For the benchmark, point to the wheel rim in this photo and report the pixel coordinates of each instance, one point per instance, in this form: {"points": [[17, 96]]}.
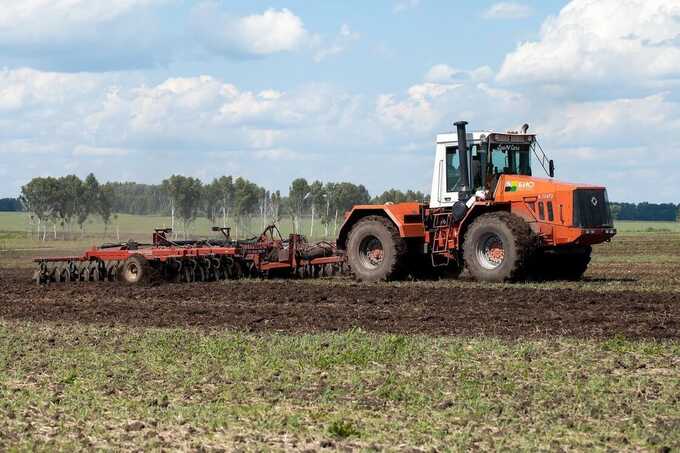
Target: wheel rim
{"points": [[132, 272], [490, 251], [371, 253]]}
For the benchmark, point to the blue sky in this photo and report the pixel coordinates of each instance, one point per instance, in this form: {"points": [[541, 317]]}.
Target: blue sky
{"points": [[351, 90]]}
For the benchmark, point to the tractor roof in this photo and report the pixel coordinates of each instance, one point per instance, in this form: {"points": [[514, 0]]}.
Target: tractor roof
{"points": [[476, 136]]}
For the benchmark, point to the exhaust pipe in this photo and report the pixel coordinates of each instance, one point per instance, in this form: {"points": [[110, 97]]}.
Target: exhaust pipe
{"points": [[463, 157]]}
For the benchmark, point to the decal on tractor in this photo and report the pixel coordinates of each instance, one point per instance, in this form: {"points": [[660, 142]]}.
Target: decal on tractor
{"points": [[514, 186]]}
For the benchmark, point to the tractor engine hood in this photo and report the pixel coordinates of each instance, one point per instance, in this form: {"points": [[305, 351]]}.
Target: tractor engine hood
{"points": [[561, 203]]}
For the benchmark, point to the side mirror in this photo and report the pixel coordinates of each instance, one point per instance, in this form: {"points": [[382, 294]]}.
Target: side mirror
{"points": [[551, 168]]}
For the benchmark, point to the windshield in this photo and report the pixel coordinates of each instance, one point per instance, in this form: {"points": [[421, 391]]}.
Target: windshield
{"points": [[511, 159]]}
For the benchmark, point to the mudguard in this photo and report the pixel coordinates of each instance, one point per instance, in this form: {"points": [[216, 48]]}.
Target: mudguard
{"points": [[408, 217]]}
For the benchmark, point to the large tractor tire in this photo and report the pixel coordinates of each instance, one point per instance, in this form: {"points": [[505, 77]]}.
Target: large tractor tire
{"points": [[568, 264], [375, 251], [499, 247], [136, 270]]}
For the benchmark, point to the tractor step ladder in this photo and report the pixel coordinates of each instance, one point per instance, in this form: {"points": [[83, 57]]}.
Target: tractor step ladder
{"points": [[440, 242]]}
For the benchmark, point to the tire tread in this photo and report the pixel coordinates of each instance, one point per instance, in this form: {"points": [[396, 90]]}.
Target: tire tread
{"points": [[525, 243], [398, 269]]}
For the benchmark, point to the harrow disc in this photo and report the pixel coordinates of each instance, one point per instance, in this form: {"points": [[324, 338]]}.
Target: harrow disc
{"points": [[188, 275], [64, 274], [112, 272]]}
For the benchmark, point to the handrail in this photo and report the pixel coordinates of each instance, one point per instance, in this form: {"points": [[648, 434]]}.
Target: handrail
{"points": [[542, 158]]}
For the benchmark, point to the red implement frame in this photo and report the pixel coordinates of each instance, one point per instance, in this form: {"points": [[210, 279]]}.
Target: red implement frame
{"points": [[269, 252]]}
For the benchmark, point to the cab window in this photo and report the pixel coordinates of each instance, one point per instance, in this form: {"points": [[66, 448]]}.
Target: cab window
{"points": [[511, 159], [453, 168]]}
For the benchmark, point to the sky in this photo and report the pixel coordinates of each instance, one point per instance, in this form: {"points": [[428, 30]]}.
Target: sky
{"points": [[346, 90]]}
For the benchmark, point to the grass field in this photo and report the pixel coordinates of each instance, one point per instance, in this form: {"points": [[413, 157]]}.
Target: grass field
{"points": [[85, 387], [76, 374]]}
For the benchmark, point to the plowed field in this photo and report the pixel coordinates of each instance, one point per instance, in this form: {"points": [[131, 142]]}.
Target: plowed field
{"points": [[299, 306]]}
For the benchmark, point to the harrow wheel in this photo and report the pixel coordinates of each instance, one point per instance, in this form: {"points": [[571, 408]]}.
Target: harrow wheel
{"points": [[136, 270]]}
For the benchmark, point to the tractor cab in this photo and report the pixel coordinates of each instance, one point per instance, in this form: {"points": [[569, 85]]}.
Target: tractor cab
{"points": [[488, 155]]}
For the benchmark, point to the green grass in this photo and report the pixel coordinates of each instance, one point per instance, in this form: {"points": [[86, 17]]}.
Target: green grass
{"points": [[66, 387], [629, 227]]}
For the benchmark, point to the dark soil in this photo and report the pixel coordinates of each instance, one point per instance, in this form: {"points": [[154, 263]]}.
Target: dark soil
{"points": [[298, 306]]}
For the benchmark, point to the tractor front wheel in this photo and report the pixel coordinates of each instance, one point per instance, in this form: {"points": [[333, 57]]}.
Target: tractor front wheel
{"points": [[375, 251], [499, 247]]}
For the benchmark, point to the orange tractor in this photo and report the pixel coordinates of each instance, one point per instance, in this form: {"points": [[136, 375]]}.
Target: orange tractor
{"points": [[487, 212]]}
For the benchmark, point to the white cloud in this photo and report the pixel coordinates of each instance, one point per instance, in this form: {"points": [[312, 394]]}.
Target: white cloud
{"points": [[429, 108], [171, 126], [621, 128], [481, 74], [199, 126], [619, 122], [341, 42], [601, 41], [405, 5], [443, 73], [25, 88], [278, 154], [75, 35], [104, 36], [507, 10], [256, 35], [98, 151], [24, 16]]}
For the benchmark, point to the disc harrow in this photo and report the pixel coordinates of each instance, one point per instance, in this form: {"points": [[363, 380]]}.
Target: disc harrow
{"points": [[163, 260]]}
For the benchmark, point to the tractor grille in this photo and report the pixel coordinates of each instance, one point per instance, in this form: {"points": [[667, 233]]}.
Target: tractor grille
{"points": [[591, 208]]}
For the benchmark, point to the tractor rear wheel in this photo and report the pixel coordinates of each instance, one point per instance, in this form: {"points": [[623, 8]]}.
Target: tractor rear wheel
{"points": [[136, 270], [499, 247], [375, 251]]}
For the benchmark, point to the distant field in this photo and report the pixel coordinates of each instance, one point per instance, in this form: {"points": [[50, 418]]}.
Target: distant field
{"points": [[15, 229], [630, 226]]}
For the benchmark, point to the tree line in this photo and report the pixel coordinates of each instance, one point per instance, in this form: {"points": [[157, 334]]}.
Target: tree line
{"points": [[64, 204], [645, 211], [10, 205]]}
